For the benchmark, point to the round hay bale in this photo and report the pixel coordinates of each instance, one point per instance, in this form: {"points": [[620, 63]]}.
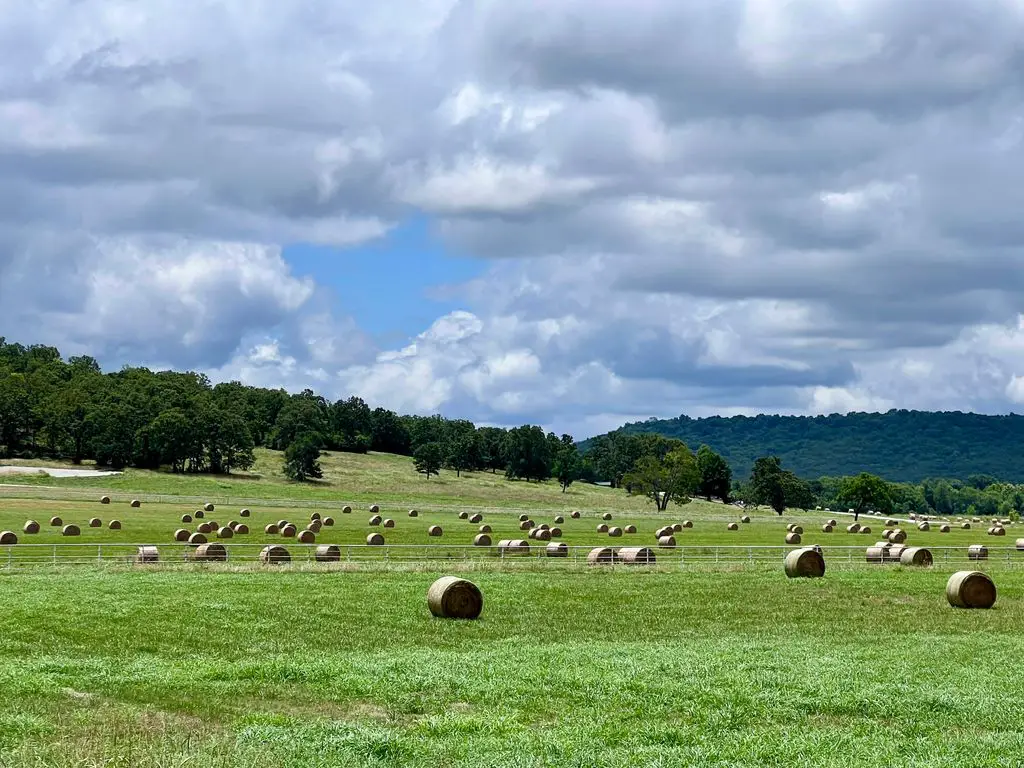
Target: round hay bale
{"points": [[56, 521], [897, 536], [244, 513], [389, 523], [745, 518], [637, 556], [615, 532], [1000, 531], [1019, 543], [923, 526], [95, 522], [435, 530], [186, 518], [523, 518], [667, 542], [526, 525], [792, 538], [601, 556], [136, 503], [602, 528], [199, 514], [281, 524], [877, 553], [895, 551], [977, 552], [463, 515], [676, 527], [213, 524], [274, 553], [975, 519], [732, 527], [314, 516], [513, 547], [328, 521], [208, 507], [375, 539], [886, 534], [866, 529], [804, 563], [30, 527], [182, 534], [329, 553], [790, 527], [211, 553], [797, 529], [687, 524], [665, 530], [606, 516], [315, 525], [374, 509], [833, 523], [543, 535], [544, 526], [943, 529], [826, 528], [204, 528], [289, 531], [104, 499], [918, 556], [574, 515], [481, 540], [630, 529], [965, 526], [376, 520], [414, 513], [241, 529], [559, 519], [890, 521], [225, 533], [8, 538], [346, 510], [197, 538], [557, 549], [453, 598], [970, 589], [71, 530], [476, 518], [484, 529], [555, 533], [853, 528], [271, 530], [147, 555], [306, 537], [114, 525]]}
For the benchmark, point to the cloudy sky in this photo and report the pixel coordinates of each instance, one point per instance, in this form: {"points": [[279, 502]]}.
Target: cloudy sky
{"points": [[567, 212]]}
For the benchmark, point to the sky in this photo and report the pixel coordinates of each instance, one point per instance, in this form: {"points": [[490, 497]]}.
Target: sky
{"points": [[565, 212]]}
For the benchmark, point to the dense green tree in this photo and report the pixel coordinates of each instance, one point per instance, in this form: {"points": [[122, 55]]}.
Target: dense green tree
{"points": [[302, 457], [527, 454], [428, 458], [672, 478], [865, 492], [715, 474], [567, 466]]}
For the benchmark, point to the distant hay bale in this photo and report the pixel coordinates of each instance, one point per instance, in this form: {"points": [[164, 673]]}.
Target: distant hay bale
{"points": [[559, 519], [923, 526], [376, 520], [826, 528], [213, 525], [8, 538], [329, 553], [199, 514], [687, 524], [210, 553], [970, 589], [275, 554], [666, 530], [104, 499], [606, 516], [204, 528], [186, 518], [878, 553], [241, 529], [999, 531], [328, 521], [555, 533], [790, 527], [182, 534], [525, 525], [833, 523], [602, 528], [897, 536], [289, 531], [545, 526], [271, 530], [346, 510], [197, 538], [30, 527], [890, 521], [557, 549], [601, 556], [732, 527], [315, 525], [71, 530], [484, 529], [314, 516], [637, 556], [796, 529], [975, 519], [414, 513], [543, 534], [804, 563], [389, 523], [523, 518], [667, 542], [745, 518], [114, 525], [615, 531], [56, 521], [916, 556], [476, 518], [677, 527], [244, 513], [943, 529], [792, 538], [95, 522], [463, 515], [306, 537], [375, 539], [374, 509], [208, 507], [977, 552], [147, 555], [508, 547], [136, 503], [886, 535], [453, 598], [225, 533], [1019, 543], [481, 540], [866, 529], [630, 529], [435, 530], [574, 515]]}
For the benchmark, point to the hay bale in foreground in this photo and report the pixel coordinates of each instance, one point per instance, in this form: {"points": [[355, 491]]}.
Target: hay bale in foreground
{"points": [[481, 540], [667, 542], [630, 529], [271, 529], [241, 529], [56, 521], [414, 513], [484, 529], [275, 554], [306, 537], [615, 531], [289, 531], [559, 519], [328, 553], [637, 556], [557, 549], [732, 527], [804, 563], [435, 530], [792, 538], [104, 499], [853, 528], [225, 533], [136, 503], [375, 539], [244, 513], [210, 553], [453, 598], [826, 528], [878, 553], [970, 589], [196, 538], [8, 538], [147, 555], [114, 525], [328, 521], [182, 534], [917, 556], [30, 527], [601, 556], [71, 530], [977, 552], [513, 547]]}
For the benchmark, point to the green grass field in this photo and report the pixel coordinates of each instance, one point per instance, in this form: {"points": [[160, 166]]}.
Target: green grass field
{"points": [[686, 663]]}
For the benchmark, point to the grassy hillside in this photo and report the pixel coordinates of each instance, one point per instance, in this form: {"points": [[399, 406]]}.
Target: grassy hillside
{"points": [[901, 446]]}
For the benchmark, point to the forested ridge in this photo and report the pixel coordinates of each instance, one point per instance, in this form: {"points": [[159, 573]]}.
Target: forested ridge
{"points": [[899, 445]]}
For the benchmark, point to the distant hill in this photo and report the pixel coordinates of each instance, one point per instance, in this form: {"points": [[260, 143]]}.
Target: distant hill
{"points": [[900, 445]]}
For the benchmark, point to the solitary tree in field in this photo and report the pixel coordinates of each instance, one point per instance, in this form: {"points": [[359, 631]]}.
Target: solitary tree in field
{"points": [[715, 474], [770, 484], [302, 457], [865, 491], [673, 478], [568, 466], [427, 458]]}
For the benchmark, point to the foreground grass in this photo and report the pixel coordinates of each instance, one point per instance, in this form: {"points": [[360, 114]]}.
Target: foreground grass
{"points": [[742, 668]]}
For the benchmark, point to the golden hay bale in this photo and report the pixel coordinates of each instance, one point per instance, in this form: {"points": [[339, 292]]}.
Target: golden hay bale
{"points": [[1000, 531], [374, 509], [543, 534], [866, 529], [513, 547], [306, 537], [114, 525], [211, 553], [56, 521], [574, 515], [315, 525], [375, 539], [414, 513], [792, 538], [677, 527], [136, 503], [687, 524], [923, 526], [886, 534], [555, 532], [602, 528], [346, 510], [745, 518], [526, 525], [70, 530], [665, 530], [435, 530], [545, 526], [481, 540], [186, 518], [484, 529], [557, 549], [182, 534], [289, 531], [274, 553], [977, 552], [463, 515], [389, 523], [376, 520], [970, 589], [826, 528], [8, 538], [804, 563], [559, 519], [796, 529], [523, 518], [197, 538], [601, 556], [329, 553], [328, 521], [732, 527], [630, 529], [271, 530], [918, 556], [208, 507], [282, 523], [225, 533], [314, 516], [204, 528], [667, 542], [199, 514], [241, 529], [31, 526], [943, 529], [244, 513], [104, 499], [453, 598], [213, 525], [878, 553], [477, 518], [833, 523], [1019, 543], [637, 556], [147, 555], [615, 531], [897, 536], [95, 522]]}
